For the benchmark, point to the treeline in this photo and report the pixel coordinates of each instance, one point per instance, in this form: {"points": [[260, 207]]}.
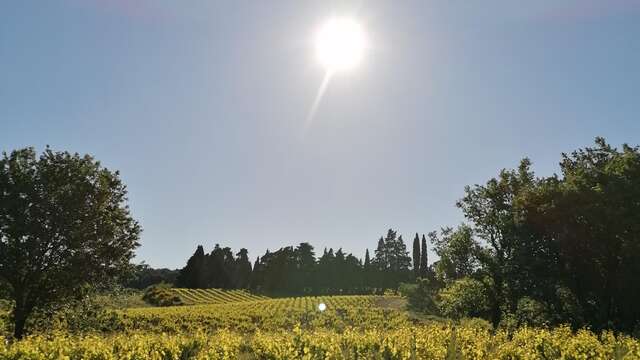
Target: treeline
{"points": [[297, 270], [545, 250], [533, 250]]}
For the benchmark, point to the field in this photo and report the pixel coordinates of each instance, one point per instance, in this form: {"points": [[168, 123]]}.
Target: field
{"points": [[214, 296], [352, 327]]}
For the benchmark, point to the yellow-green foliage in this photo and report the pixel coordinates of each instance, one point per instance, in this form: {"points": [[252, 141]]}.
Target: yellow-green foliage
{"points": [[352, 327], [405, 342], [161, 296], [272, 314], [221, 345], [214, 296]]}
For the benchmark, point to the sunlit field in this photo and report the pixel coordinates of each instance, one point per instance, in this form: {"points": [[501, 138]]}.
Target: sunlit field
{"points": [[351, 327]]}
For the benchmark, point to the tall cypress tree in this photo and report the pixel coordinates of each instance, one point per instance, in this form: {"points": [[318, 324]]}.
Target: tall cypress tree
{"points": [[366, 269], [424, 261], [416, 256], [367, 260]]}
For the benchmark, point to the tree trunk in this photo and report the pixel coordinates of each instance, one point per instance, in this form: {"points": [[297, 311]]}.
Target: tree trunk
{"points": [[19, 318]]}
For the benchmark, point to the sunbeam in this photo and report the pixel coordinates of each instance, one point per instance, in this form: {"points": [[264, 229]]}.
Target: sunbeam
{"points": [[314, 108]]}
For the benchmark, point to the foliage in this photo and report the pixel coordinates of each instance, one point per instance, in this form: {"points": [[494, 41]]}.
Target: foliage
{"points": [[402, 343], [159, 295], [296, 270], [422, 298], [464, 297], [417, 271], [267, 315], [64, 223], [560, 249], [142, 276], [214, 296], [407, 289], [222, 345], [457, 250]]}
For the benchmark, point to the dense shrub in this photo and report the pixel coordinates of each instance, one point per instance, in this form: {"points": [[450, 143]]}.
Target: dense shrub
{"points": [[407, 289], [465, 297], [161, 296], [422, 298]]}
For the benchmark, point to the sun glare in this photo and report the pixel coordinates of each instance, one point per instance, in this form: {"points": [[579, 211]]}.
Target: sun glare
{"points": [[340, 44]]}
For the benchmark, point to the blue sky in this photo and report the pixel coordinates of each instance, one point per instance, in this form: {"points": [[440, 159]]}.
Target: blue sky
{"points": [[200, 105]]}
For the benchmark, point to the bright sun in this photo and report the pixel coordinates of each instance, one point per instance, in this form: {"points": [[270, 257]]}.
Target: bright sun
{"points": [[340, 44]]}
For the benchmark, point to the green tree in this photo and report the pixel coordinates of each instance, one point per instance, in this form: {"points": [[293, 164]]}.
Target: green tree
{"points": [[424, 259], [64, 223], [589, 222], [492, 210], [242, 270], [416, 256], [457, 251], [193, 274], [306, 266]]}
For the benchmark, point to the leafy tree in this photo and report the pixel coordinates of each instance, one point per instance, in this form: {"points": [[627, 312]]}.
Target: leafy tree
{"points": [[144, 276], [492, 210], [457, 251], [64, 223], [589, 223]]}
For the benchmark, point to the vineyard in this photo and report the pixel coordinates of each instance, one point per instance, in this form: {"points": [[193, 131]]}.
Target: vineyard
{"points": [[351, 327], [270, 315], [214, 296], [407, 342]]}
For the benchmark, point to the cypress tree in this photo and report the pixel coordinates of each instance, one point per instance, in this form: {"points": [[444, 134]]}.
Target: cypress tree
{"points": [[367, 260], [416, 256], [424, 261]]}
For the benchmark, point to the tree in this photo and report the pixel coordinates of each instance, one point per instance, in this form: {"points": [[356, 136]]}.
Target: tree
{"points": [[457, 250], [193, 274], [144, 276], [242, 270], [306, 264], [64, 223], [416, 256], [392, 261], [366, 270], [588, 223], [492, 210], [424, 260]]}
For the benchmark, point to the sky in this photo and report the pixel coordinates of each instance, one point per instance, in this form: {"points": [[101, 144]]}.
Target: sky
{"points": [[201, 106]]}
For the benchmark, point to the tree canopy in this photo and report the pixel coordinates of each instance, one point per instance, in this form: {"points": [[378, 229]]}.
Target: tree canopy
{"points": [[64, 223]]}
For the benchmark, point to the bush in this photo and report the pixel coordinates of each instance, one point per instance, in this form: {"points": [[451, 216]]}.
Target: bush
{"points": [[464, 297], [476, 323], [5, 318], [390, 292], [422, 298], [531, 312], [161, 295], [407, 289]]}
